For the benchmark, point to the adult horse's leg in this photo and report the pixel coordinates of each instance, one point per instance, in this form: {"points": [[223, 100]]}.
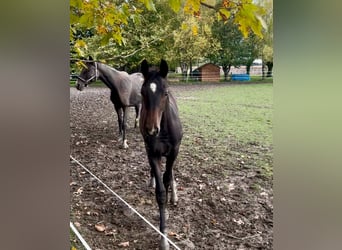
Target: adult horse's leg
{"points": [[118, 109], [124, 126], [119, 113], [155, 164], [137, 115]]}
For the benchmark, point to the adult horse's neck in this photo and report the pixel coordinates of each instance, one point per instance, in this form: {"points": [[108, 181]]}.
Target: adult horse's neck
{"points": [[108, 75]]}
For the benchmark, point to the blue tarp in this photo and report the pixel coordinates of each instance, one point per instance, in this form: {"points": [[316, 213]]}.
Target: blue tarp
{"points": [[240, 77]]}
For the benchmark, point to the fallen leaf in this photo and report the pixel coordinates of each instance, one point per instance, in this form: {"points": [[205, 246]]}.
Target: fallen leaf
{"points": [[172, 233], [231, 187], [149, 202], [239, 221], [100, 227], [124, 244], [79, 191]]}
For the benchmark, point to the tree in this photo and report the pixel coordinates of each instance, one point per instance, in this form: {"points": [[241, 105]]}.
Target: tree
{"points": [[110, 19], [267, 51], [251, 50], [235, 50], [148, 36], [193, 41]]}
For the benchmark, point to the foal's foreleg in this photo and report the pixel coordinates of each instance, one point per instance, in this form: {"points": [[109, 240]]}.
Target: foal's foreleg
{"points": [[161, 200]]}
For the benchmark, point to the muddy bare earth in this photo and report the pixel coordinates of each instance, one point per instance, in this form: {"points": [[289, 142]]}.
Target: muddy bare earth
{"points": [[225, 198]]}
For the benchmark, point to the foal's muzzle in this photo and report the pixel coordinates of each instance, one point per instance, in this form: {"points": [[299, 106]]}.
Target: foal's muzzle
{"points": [[153, 132]]}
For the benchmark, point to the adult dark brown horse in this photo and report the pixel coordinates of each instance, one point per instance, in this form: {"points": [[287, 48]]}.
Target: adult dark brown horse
{"points": [[161, 129], [125, 90]]}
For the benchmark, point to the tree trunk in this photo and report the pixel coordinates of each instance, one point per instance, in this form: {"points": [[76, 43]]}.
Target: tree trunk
{"points": [[190, 67], [226, 69], [184, 68], [263, 66], [248, 68], [269, 69]]}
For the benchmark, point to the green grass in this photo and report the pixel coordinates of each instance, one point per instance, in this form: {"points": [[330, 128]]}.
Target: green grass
{"points": [[96, 84], [242, 112]]}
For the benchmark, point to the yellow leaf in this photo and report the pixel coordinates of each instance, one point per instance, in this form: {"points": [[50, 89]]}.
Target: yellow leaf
{"points": [[225, 13], [192, 6], [194, 30], [175, 5], [80, 44], [184, 26], [101, 30]]}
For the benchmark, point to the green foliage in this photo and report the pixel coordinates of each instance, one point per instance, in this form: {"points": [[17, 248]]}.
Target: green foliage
{"points": [[193, 40], [149, 4], [121, 27], [247, 18]]}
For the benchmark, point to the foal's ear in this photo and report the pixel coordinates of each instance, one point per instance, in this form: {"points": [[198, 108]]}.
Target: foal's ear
{"points": [[163, 68], [144, 68]]}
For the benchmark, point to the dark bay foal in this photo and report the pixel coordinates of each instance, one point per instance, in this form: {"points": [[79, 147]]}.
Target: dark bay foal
{"points": [[161, 129]]}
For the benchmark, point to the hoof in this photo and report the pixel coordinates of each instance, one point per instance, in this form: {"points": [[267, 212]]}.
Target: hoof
{"points": [[136, 124], [125, 145], [174, 201], [164, 244], [174, 196], [152, 183]]}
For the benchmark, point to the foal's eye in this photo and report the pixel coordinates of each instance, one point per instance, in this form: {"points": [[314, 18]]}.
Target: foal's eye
{"points": [[166, 93]]}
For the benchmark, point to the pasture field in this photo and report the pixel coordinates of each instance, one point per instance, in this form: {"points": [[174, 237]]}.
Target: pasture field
{"points": [[224, 171]]}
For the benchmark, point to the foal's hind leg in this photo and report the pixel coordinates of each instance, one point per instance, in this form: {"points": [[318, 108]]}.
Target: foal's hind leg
{"points": [[152, 180], [168, 177], [174, 196]]}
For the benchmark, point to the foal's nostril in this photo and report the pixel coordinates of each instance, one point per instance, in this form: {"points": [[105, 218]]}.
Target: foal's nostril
{"points": [[153, 131], [156, 131]]}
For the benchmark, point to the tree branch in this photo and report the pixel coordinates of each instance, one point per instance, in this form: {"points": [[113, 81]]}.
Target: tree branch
{"points": [[208, 5]]}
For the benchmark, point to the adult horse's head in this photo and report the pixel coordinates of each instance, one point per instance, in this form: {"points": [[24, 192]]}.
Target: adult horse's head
{"points": [[88, 74], [154, 93]]}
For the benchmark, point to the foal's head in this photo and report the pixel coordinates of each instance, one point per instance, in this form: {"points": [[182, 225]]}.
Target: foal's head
{"points": [[87, 75], [154, 93]]}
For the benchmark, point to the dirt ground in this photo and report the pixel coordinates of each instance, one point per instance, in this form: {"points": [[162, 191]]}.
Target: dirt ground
{"points": [[225, 199]]}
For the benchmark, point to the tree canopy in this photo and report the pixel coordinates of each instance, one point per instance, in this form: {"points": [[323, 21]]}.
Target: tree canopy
{"points": [[124, 32]]}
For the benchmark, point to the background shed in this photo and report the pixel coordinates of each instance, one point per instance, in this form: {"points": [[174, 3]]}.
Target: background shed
{"points": [[209, 72]]}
